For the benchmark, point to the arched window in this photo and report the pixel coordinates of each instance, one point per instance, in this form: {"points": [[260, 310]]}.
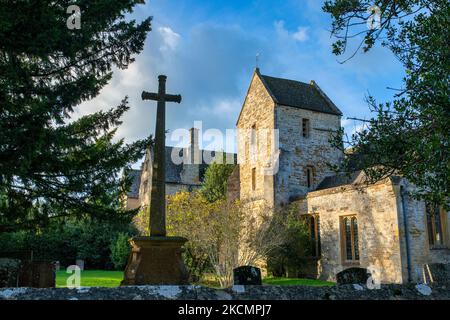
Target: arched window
{"points": [[349, 239], [314, 232], [436, 226]]}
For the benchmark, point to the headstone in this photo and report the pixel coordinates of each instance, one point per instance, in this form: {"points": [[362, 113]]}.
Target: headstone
{"points": [[423, 289], [57, 265], [37, 274], [9, 272], [80, 264], [247, 275], [353, 276]]}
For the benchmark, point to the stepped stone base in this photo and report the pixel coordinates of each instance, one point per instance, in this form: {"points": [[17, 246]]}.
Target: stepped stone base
{"points": [[156, 261]]}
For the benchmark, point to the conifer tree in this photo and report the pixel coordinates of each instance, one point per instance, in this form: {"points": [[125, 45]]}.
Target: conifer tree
{"points": [[50, 165]]}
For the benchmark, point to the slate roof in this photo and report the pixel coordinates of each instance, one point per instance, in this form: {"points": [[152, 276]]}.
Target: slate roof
{"points": [[173, 172], [135, 176], [299, 95], [340, 179]]}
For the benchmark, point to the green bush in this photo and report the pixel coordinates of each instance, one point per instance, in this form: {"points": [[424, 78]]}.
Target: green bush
{"points": [[120, 249], [68, 240]]}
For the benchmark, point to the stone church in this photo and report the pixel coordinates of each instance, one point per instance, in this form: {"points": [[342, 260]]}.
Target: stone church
{"points": [[379, 227]]}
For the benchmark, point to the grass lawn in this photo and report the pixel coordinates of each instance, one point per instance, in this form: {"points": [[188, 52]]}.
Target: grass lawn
{"points": [[92, 278], [100, 278], [296, 282]]}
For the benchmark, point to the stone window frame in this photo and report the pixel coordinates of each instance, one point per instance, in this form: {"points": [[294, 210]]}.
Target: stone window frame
{"points": [[356, 251], [306, 128], [312, 170], [253, 145], [254, 136], [431, 229], [317, 252], [253, 179]]}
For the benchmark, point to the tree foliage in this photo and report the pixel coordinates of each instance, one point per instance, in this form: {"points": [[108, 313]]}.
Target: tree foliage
{"points": [[120, 250], [68, 240], [408, 136], [214, 185], [222, 235], [296, 248], [50, 164]]}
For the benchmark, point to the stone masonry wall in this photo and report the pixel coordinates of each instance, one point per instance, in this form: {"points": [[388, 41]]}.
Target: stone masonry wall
{"points": [[345, 292], [378, 231], [421, 253], [258, 111], [298, 152]]}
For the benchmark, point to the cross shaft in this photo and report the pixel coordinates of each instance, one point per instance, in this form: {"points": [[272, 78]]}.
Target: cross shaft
{"points": [[158, 190]]}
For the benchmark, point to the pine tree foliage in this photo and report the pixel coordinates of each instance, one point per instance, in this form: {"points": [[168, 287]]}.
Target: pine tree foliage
{"points": [[50, 164]]}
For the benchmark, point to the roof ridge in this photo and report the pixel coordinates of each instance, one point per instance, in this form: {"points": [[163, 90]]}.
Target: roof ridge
{"points": [[286, 79]]}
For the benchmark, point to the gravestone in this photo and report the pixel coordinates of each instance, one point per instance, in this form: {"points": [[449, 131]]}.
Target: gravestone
{"points": [[37, 274], [9, 272], [247, 275], [353, 276], [80, 264], [57, 265]]}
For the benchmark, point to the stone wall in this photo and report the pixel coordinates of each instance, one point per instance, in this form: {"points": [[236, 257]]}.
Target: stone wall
{"points": [[298, 152], [378, 231], [233, 185], [381, 231], [132, 203], [257, 111], [344, 292], [419, 248]]}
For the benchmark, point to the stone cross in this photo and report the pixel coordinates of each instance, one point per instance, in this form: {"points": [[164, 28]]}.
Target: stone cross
{"points": [[158, 192]]}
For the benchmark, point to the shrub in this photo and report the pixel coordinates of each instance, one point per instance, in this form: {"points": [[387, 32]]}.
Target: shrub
{"points": [[222, 236], [120, 249]]}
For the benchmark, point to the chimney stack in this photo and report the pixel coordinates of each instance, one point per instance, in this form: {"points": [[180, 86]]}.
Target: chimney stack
{"points": [[194, 149]]}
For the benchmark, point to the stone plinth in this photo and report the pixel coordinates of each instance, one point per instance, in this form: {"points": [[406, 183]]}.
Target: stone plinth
{"points": [[156, 261]]}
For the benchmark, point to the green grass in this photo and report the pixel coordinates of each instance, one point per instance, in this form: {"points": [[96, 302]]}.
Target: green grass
{"points": [[100, 278], [296, 282], [92, 278]]}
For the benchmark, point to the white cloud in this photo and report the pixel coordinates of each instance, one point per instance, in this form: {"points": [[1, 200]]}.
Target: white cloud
{"points": [[301, 34], [170, 38]]}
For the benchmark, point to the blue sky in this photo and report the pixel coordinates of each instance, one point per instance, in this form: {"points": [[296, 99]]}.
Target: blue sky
{"points": [[208, 48]]}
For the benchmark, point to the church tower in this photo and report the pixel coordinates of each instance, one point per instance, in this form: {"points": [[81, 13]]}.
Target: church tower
{"points": [[283, 140]]}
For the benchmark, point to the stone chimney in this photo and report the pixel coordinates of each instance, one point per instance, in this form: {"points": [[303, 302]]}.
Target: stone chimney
{"points": [[194, 149]]}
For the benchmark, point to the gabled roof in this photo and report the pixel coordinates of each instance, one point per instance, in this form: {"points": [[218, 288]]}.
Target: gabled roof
{"points": [[301, 95], [295, 94]]}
